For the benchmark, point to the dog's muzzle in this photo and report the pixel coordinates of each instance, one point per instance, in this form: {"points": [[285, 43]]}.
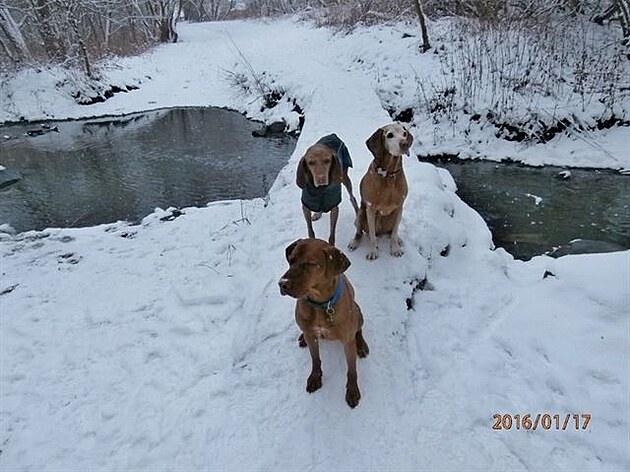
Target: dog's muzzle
{"points": [[283, 283]]}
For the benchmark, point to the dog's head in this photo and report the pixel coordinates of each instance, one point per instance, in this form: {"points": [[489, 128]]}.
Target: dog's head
{"points": [[393, 139], [319, 166], [312, 262]]}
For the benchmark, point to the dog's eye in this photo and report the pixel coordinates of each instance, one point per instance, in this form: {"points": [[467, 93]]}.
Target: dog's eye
{"points": [[390, 135]]}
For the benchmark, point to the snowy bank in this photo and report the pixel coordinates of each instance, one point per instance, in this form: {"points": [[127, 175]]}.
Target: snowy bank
{"points": [[420, 86], [168, 346]]}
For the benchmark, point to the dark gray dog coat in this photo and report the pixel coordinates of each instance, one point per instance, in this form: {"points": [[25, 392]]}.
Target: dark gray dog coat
{"points": [[325, 198]]}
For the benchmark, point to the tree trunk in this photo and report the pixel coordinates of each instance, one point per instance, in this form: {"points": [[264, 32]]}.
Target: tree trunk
{"points": [[618, 9], [13, 33], [425, 46], [53, 46], [8, 51], [107, 29], [85, 58], [193, 10], [624, 18]]}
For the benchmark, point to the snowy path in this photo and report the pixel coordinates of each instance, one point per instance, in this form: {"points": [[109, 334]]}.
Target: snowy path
{"points": [[167, 345]]}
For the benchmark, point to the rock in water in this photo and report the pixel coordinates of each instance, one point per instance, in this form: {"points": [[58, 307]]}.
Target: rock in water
{"points": [[9, 177], [274, 128]]}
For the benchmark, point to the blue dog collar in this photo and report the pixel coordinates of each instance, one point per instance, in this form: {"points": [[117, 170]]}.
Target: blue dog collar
{"points": [[329, 304]]}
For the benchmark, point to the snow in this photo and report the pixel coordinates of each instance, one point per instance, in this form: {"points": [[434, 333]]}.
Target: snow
{"points": [[537, 200], [167, 345]]}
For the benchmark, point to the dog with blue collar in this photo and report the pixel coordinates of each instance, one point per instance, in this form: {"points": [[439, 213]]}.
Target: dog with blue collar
{"points": [[320, 173], [325, 308]]}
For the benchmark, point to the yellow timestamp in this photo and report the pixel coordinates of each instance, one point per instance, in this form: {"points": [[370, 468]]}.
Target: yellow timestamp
{"points": [[545, 421]]}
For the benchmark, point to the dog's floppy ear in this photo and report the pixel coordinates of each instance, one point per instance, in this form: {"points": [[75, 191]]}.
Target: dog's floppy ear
{"points": [[375, 143], [409, 137], [290, 248], [303, 175], [336, 261], [335, 174]]}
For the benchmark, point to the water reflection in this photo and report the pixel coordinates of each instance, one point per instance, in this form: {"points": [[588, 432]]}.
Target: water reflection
{"points": [[592, 204], [103, 170]]}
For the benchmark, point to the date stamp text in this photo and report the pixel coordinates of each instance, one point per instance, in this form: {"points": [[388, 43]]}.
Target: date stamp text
{"points": [[546, 421]]}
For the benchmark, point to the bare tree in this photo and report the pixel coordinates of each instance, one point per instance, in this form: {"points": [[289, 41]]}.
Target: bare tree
{"points": [[163, 16], [194, 10], [17, 49], [219, 9], [425, 46], [618, 9], [77, 32], [73, 18], [43, 12]]}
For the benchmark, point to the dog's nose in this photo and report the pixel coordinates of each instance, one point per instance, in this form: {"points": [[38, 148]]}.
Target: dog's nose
{"points": [[284, 286], [404, 147]]}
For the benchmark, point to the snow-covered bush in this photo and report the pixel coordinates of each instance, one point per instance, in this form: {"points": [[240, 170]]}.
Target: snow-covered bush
{"points": [[530, 79], [76, 33], [346, 15], [266, 99]]}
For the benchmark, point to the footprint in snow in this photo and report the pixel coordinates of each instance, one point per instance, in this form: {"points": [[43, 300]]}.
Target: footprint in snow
{"points": [[69, 258]]}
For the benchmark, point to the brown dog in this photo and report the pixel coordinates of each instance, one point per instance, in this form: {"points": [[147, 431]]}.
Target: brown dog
{"points": [[383, 189], [325, 307], [320, 173]]}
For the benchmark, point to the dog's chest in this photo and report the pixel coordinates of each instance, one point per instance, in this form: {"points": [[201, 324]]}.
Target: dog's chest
{"points": [[323, 328], [384, 195], [386, 203], [385, 210], [321, 332]]}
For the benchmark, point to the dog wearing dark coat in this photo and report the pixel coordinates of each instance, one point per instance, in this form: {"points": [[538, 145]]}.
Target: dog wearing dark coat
{"points": [[320, 173]]}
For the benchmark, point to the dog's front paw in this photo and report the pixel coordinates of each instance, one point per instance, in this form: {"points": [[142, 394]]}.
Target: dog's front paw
{"points": [[396, 247], [371, 255], [363, 350], [314, 382], [352, 245], [353, 395], [396, 251]]}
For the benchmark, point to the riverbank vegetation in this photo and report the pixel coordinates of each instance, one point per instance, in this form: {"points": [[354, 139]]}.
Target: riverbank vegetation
{"points": [[528, 70]]}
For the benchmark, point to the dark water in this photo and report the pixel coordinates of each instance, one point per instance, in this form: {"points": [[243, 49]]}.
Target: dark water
{"points": [[592, 204], [103, 170]]}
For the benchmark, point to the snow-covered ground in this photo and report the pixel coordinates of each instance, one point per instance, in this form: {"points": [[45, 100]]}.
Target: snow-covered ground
{"points": [[167, 346], [387, 55]]}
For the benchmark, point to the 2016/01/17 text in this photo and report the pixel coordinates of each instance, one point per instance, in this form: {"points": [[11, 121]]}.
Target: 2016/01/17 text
{"points": [[506, 421]]}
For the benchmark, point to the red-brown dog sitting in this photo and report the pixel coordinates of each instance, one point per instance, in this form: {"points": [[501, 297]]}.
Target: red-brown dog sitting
{"points": [[325, 307], [383, 189]]}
